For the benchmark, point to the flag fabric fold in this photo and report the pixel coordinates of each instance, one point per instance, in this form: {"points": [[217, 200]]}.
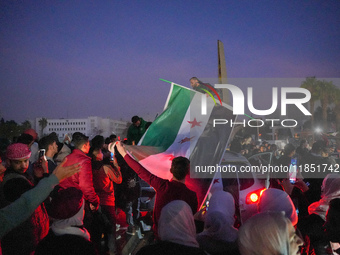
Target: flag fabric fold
{"points": [[182, 130]]}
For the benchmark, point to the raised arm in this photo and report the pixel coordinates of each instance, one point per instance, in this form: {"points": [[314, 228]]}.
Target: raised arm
{"points": [[143, 173], [18, 211]]}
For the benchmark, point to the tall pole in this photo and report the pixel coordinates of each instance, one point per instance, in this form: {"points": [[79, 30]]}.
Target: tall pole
{"points": [[222, 71]]}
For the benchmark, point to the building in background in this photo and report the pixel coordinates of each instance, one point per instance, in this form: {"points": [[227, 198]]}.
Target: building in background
{"points": [[90, 126]]}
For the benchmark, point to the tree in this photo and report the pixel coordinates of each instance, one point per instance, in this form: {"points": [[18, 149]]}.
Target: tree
{"points": [[311, 84], [326, 95], [336, 109], [26, 125], [42, 123], [317, 115], [10, 130]]}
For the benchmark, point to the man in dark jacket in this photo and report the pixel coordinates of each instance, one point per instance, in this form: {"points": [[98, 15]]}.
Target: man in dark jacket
{"points": [[166, 190], [136, 130]]}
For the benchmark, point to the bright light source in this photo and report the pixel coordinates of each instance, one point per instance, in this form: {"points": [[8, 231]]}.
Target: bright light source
{"points": [[318, 130], [254, 197]]}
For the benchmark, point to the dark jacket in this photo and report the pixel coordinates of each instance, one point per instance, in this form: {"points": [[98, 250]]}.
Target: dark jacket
{"points": [[311, 228], [66, 245], [24, 238], [166, 191], [136, 133], [169, 248]]}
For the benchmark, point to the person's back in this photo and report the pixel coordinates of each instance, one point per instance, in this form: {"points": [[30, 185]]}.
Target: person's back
{"points": [[311, 229], [65, 245], [82, 180], [176, 232], [173, 190], [67, 234], [219, 234], [166, 190]]}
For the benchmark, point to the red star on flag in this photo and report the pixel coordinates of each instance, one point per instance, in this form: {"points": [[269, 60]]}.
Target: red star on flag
{"points": [[195, 123], [187, 139], [216, 181]]}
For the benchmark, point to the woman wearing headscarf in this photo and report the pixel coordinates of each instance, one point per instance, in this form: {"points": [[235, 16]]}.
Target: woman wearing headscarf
{"points": [[177, 232], [276, 200], [330, 189], [268, 233], [312, 226], [219, 234]]}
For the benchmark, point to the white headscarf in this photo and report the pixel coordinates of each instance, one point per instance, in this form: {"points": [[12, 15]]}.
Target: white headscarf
{"points": [[330, 189], [219, 219], [276, 200], [176, 224], [72, 226], [265, 234]]}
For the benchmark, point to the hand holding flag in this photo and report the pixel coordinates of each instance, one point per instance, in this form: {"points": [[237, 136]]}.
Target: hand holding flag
{"points": [[121, 149]]}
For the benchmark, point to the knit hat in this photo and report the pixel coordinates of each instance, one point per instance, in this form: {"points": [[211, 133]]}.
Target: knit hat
{"points": [[31, 132], [17, 151], [66, 203]]}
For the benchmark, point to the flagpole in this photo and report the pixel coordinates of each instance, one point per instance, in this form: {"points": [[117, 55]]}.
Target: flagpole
{"points": [[166, 81]]}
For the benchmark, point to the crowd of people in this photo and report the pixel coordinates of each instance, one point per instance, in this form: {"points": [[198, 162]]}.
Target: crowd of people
{"points": [[65, 201]]}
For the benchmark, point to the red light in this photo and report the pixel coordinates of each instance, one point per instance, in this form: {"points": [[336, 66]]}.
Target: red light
{"points": [[254, 197], [261, 192]]}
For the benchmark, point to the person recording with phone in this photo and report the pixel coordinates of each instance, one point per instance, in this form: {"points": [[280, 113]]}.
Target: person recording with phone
{"points": [[40, 167], [49, 145], [18, 211], [16, 182], [292, 182]]}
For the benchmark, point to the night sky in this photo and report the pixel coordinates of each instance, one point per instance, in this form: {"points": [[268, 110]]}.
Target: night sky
{"points": [[74, 59]]}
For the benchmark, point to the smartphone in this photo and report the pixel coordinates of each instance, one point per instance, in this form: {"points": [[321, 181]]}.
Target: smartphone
{"points": [[42, 153], [292, 170], [112, 155]]}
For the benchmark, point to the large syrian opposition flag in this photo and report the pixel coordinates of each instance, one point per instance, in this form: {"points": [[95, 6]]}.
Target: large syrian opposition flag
{"points": [[182, 130]]}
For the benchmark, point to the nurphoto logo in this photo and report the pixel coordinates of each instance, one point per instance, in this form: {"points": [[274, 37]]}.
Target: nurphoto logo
{"points": [[239, 105], [238, 100]]}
